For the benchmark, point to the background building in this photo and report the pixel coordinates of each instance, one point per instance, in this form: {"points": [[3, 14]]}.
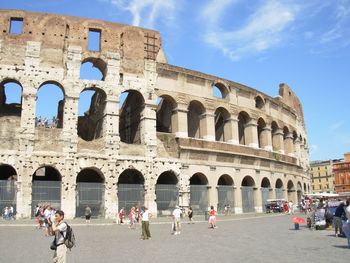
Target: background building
{"points": [[342, 175], [322, 176]]}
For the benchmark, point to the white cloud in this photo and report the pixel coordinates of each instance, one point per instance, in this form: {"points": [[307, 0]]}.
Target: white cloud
{"points": [[264, 29], [146, 13]]}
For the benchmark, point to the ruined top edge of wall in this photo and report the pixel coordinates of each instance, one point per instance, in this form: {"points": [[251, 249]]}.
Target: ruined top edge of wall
{"points": [[293, 104], [59, 31]]}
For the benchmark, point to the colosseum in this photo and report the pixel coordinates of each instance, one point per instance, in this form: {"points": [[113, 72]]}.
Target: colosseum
{"points": [[154, 134]]}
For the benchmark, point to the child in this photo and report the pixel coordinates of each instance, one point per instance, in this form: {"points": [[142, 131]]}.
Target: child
{"points": [[212, 217]]}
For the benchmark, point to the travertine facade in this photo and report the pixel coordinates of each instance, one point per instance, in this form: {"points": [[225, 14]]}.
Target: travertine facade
{"points": [[243, 139]]}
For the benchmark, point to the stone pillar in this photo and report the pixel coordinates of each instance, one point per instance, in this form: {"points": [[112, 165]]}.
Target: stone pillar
{"points": [[231, 130], [251, 134], [68, 189], [266, 138], [288, 144], [70, 123], [238, 201], [111, 199], [150, 197], [277, 141], [24, 191], [297, 150], [258, 204], [207, 126], [112, 138], [148, 130], [179, 122]]}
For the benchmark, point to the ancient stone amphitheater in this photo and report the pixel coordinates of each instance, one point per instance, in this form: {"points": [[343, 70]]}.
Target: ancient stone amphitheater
{"points": [[154, 134]]}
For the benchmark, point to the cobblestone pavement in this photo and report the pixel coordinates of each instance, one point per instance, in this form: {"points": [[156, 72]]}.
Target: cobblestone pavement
{"points": [[244, 238]]}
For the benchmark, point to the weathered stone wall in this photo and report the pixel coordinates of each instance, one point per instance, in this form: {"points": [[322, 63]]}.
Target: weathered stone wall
{"points": [[51, 49]]}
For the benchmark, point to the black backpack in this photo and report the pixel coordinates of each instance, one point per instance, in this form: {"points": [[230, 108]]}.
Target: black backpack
{"points": [[69, 239]]}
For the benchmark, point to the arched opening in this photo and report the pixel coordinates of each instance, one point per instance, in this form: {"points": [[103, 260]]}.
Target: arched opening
{"points": [[93, 69], [259, 102], [199, 192], [195, 119], [290, 190], [219, 90], [91, 116], [165, 114], [131, 190], [221, 125], [132, 105], [265, 192], [10, 98], [46, 188], [49, 106], [299, 192], [305, 189], [274, 136], [279, 189], [226, 194], [247, 188], [90, 192], [262, 140], [243, 119], [167, 192], [8, 178]]}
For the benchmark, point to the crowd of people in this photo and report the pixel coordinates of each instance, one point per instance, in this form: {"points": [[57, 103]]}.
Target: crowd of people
{"points": [[46, 122], [8, 213]]}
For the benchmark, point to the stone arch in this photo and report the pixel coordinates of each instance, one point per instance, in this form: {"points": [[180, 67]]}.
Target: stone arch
{"points": [[259, 102], [262, 136], [10, 101], [248, 195], [50, 105], [265, 192], [265, 182], [290, 190], [279, 189], [90, 192], [305, 189], [165, 113], [222, 128], [131, 190], [274, 135], [195, 120], [199, 194], [167, 192], [219, 90], [299, 192], [243, 120], [46, 187], [91, 121], [92, 68], [226, 195], [8, 180], [131, 110]]}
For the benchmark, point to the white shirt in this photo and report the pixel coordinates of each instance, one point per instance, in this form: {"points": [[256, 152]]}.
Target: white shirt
{"points": [[177, 213], [145, 215]]}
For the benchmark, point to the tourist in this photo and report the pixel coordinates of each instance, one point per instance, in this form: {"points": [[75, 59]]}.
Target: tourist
{"points": [[59, 229], [132, 218], [176, 220], [88, 213], [145, 215], [121, 215], [212, 217], [337, 222], [190, 215], [290, 207]]}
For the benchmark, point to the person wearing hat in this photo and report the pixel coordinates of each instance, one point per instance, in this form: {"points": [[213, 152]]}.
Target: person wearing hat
{"points": [[176, 217]]}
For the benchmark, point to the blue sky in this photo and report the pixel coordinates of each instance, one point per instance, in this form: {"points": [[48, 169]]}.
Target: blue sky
{"points": [[305, 44]]}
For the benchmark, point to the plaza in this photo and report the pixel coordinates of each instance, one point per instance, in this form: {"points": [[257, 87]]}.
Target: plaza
{"points": [[238, 238]]}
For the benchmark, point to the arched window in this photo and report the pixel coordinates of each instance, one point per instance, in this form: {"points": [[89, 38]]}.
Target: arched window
{"points": [[243, 119], [49, 106], [221, 125], [199, 192], [165, 111], [220, 91], [248, 188], [93, 69], [10, 98], [226, 195], [131, 105], [259, 102], [92, 104], [167, 192], [195, 119]]}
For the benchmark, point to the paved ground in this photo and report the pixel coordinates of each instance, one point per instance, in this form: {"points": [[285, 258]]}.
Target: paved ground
{"points": [[244, 238]]}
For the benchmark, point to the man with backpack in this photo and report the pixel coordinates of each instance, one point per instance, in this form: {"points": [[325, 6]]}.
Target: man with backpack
{"points": [[59, 228]]}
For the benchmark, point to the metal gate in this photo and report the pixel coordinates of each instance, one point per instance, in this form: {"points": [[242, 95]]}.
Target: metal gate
{"points": [[265, 193], [130, 195], [279, 193], [92, 195], [199, 198], [46, 193], [7, 194], [247, 199], [226, 196], [299, 194], [167, 197]]}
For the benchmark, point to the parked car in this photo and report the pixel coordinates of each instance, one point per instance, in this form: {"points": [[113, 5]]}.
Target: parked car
{"points": [[274, 205]]}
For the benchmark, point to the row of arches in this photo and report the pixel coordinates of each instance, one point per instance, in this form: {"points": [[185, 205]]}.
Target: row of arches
{"points": [[90, 189]]}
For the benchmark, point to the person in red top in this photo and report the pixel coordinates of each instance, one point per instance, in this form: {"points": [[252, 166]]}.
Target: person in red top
{"points": [[212, 217]]}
